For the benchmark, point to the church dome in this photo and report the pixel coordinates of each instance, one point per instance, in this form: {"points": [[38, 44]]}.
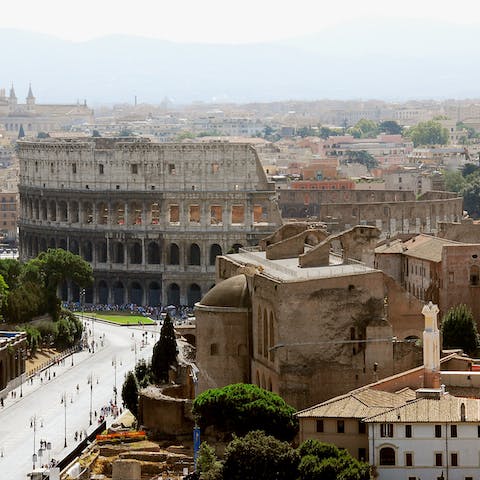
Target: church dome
{"points": [[232, 292]]}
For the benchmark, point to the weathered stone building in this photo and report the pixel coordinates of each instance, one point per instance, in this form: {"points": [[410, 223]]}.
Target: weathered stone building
{"points": [[13, 352], [150, 218], [305, 317], [391, 211]]}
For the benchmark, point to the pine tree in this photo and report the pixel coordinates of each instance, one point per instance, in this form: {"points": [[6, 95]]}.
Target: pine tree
{"points": [[459, 329], [130, 393], [164, 352]]}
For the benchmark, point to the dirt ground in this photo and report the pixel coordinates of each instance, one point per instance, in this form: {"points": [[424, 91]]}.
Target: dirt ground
{"points": [[41, 356]]}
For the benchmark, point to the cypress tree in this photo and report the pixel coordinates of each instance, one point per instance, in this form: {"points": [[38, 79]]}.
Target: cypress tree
{"points": [[130, 393], [164, 352]]}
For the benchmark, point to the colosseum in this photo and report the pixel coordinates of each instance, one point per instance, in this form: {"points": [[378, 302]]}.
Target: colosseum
{"points": [[150, 218]]}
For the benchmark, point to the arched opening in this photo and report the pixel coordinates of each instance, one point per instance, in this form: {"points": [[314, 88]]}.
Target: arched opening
{"points": [[259, 331], [136, 253], [62, 211], [136, 293], [53, 211], [62, 244], [215, 250], [135, 213], [173, 294], [265, 334], [154, 294], [87, 213], [194, 254], [74, 212], [43, 209], [174, 254], [51, 243], [36, 209], [387, 456], [119, 213], [153, 253], [194, 294], [118, 293], [474, 276], [271, 339], [118, 252], [43, 245], [102, 292], [74, 246], [102, 213], [102, 252], [155, 213], [88, 251], [236, 247]]}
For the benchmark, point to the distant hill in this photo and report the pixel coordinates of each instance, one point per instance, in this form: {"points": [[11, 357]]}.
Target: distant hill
{"points": [[389, 61]]}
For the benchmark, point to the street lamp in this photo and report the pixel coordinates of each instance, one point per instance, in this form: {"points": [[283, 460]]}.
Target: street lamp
{"points": [[22, 355], [82, 301], [64, 401], [35, 422], [90, 381], [114, 365]]}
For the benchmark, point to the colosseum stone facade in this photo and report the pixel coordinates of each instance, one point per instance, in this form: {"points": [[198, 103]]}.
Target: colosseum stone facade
{"points": [[150, 218]]}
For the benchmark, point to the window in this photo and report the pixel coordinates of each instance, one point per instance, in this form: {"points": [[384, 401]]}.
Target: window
{"points": [[474, 276], [238, 214], [74, 168], [438, 431], [454, 459], [340, 426], [386, 430], [213, 349], [387, 456], [409, 459], [134, 168], [171, 168], [408, 431], [215, 167], [174, 214], [362, 427], [101, 169], [194, 214], [362, 454], [320, 426], [438, 459], [453, 430], [216, 215]]}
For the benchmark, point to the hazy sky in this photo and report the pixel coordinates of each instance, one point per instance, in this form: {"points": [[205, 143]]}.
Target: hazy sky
{"points": [[222, 21]]}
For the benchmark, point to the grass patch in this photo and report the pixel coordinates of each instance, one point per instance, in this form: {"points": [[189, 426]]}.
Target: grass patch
{"points": [[124, 319]]}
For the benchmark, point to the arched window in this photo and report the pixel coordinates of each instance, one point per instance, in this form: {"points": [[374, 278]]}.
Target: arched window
{"points": [[103, 292], [271, 339], [154, 294], [174, 254], [194, 294], [194, 257], [87, 251], [118, 293], [265, 336], [136, 254], [387, 456], [215, 250], [173, 294], [136, 293], [118, 253], [87, 213], [102, 252], [74, 247], [153, 254], [102, 213], [53, 211]]}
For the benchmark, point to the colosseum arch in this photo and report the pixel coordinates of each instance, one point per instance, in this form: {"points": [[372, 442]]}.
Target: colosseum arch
{"points": [[136, 293], [102, 292], [74, 248], [74, 212], [87, 212], [154, 213], [135, 213], [51, 243], [101, 248], [154, 294], [215, 250], [136, 253], [36, 208], [88, 298], [63, 211], [88, 251], [173, 294], [119, 213], [194, 294], [118, 252], [52, 210], [194, 257], [118, 293], [43, 210], [173, 254], [43, 245], [102, 213], [153, 253], [62, 243]]}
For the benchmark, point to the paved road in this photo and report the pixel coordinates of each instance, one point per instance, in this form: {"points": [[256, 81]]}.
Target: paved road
{"points": [[43, 398]]}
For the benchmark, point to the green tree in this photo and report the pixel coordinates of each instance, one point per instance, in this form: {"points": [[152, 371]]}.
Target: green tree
{"points": [[239, 408], [470, 169], [10, 269], [43, 135], [143, 372], [56, 266], [209, 466], [390, 127], [325, 132], [130, 393], [33, 337], [428, 133], [259, 456], [471, 197], [364, 129], [165, 351], [454, 181], [363, 157], [459, 329], [322, 461]]}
